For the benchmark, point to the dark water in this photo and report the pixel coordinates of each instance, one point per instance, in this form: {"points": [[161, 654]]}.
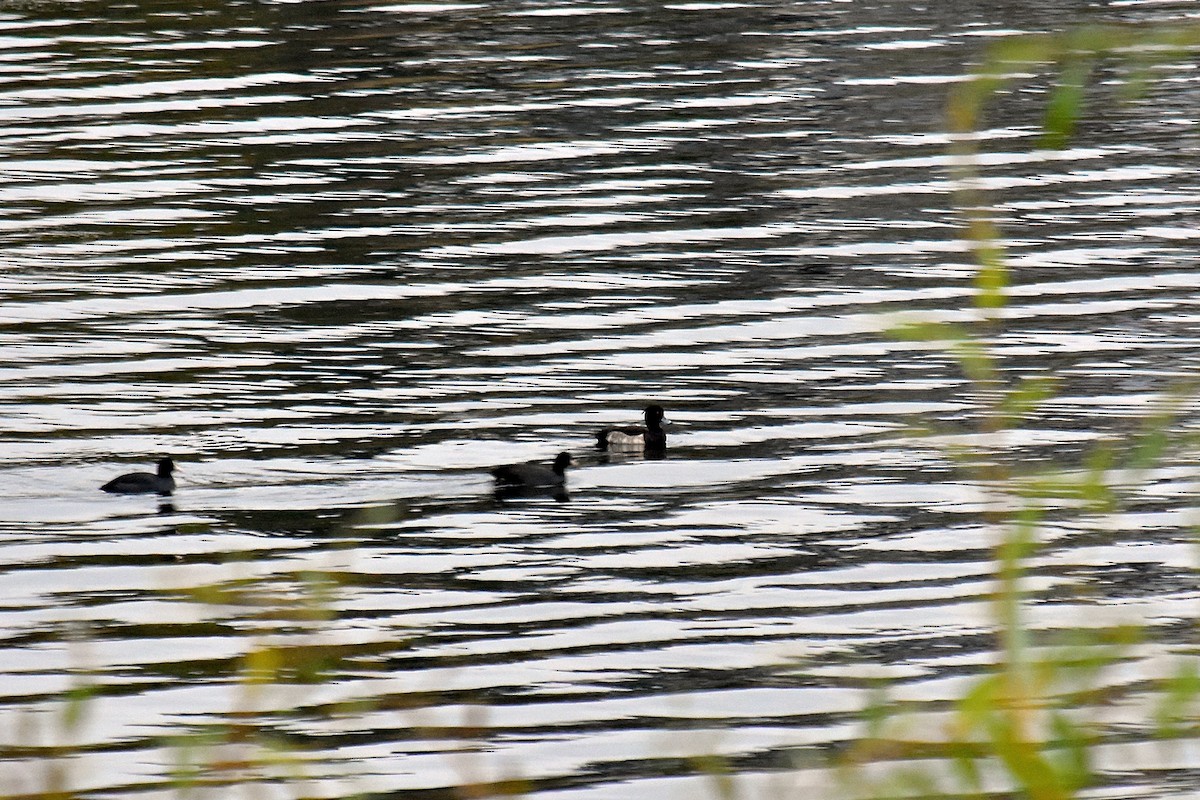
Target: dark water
{"points": [[339, 259]]}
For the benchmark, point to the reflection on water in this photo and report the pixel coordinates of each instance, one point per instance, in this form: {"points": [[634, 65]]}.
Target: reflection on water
{"points": [[342, 259]]}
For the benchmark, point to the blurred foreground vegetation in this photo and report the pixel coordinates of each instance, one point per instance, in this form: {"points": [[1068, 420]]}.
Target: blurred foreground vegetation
{"points": [[1043, 721]]}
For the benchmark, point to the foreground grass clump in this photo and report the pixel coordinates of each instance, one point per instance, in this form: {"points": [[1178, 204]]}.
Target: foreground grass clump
{"points": [[1037, 724]]}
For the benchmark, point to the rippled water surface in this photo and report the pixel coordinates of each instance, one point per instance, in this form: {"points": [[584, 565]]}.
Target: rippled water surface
{"points": [[339, 259]]}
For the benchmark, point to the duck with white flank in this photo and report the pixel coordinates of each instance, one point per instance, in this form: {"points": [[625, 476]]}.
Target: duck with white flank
{"points": [[635, 437]]}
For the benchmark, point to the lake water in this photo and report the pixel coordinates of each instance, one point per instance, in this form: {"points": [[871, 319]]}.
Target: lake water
{"points": [[341, 258]]}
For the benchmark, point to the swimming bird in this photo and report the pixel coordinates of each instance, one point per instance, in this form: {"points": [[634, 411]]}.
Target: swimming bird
{"points": [[635, 437], [533, 474], [144, 482]]}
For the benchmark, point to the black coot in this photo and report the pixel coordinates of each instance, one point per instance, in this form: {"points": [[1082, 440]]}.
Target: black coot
{"points": [[144, 482], [533, 474]]}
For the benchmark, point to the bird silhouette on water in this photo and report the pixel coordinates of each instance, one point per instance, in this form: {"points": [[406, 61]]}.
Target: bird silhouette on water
{"points": [[533, 479], [159, 482]]}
